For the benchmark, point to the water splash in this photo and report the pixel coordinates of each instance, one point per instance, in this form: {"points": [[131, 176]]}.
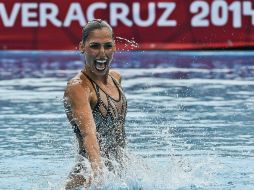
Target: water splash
{"points": [[170, 172], [126, 44]]}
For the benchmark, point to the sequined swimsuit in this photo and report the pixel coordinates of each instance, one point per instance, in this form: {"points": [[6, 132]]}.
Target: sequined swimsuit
{"points": [[109, 116]]}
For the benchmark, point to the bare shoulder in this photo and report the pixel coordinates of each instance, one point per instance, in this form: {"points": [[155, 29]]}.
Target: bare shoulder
{"points": [[77, 88], [74, 84], [116, 74]]}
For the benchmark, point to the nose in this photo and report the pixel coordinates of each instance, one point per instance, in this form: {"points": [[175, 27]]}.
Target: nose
{"points": [[102, 51]]}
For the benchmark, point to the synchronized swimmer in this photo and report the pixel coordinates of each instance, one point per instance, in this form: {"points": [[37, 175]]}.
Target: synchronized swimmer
{"points": [[96, 105]]}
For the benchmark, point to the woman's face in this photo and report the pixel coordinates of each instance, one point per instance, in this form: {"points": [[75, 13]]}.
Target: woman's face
{"points": [[99, 49]]}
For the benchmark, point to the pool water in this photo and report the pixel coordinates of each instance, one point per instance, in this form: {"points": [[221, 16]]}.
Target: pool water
{"points": [[190, 121]]}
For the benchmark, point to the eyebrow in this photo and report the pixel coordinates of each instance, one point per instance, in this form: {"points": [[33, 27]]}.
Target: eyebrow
{"points": [[101, 43]]}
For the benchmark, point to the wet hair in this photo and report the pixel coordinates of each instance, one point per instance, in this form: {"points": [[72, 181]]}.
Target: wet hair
{"points": [[93, 25]]}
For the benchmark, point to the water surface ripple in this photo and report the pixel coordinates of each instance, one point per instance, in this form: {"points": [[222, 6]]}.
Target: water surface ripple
{"points": [[190, 119]]}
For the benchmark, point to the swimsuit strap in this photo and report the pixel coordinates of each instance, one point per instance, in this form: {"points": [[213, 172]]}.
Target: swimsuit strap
{"points": [[114, 80], [97, 91], [95, 86], [117, 85], [119, 89]]}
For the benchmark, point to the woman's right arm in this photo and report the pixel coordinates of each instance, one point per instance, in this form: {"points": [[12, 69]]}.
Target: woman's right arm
{"points": [[78, 97]]}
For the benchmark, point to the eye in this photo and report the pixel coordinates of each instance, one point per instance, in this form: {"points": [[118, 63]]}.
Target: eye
{"points": [[108, 45], [94, 46]]}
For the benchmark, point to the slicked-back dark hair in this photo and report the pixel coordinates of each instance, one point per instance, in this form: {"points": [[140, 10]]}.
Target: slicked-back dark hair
{"points": [[93, 25]]}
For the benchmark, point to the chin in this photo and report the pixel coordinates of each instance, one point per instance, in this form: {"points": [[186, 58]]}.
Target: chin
{"points": [[101, 72]]}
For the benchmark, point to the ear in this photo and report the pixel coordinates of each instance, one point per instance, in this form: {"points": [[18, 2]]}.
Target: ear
{"points": [[82, 47]]}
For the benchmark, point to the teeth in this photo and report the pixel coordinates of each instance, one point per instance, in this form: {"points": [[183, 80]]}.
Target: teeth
{"points": [[100, 69], [101, 61], [101, 64]]}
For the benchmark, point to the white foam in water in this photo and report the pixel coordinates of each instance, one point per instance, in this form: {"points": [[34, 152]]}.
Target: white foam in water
{"points": [[190, 133], [169, 172]]}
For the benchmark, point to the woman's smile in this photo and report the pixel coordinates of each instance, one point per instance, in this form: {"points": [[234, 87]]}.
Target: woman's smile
{"points": [[101, 64]]}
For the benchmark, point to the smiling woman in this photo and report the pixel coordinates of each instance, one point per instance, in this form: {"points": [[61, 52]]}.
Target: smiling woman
{"points": [[98, 45], [96, 106]]}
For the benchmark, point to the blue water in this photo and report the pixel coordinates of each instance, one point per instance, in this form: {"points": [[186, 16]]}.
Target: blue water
{"points": [[190, 121]]}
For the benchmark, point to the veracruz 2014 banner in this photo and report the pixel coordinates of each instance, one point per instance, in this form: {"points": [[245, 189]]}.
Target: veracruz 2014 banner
{"points": [[171, 24]]}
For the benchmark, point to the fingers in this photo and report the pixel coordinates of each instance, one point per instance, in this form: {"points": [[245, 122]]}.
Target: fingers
{"points": [[75, 181]]}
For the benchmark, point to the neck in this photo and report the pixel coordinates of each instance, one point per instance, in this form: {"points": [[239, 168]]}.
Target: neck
{"points": [[98, 78]]}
